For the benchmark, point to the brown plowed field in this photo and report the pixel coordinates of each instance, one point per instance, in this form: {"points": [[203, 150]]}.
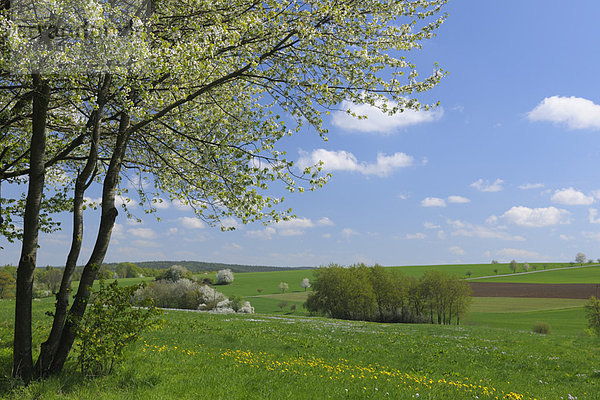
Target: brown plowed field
{"points": [[540, 290]]}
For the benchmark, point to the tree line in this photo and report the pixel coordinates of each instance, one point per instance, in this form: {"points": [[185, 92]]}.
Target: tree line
{"points": [[385, 295]]}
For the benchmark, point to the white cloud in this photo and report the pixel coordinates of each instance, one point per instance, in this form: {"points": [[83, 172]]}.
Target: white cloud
{"points": [[144, 243], [591, 235], [574, 112], [230, 222], [327, 236], [566, 237], [593, 216], [232, 247], [191, 223], [144, 233], [518, 254], [429, 225], [346, 161], [458, 199], [418, 235], [485, 186], [571, 197], [531, 186], [456, 250], [441, 235], [181, 205], [266, 233], [378, 121], [118, 232], [433, 202], [491, 220], [467, 229], [536, 217], [325, 222], [347, 232], [403, 196]]}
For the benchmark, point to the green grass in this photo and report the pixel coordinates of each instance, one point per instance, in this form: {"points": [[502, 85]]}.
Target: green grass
{"points": [[566, 316], [261, 357], [568, 275], [475, 269]]}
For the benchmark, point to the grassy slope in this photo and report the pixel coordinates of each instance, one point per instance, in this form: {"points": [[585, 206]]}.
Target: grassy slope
{"points": [[569, 275], [261, 357]]}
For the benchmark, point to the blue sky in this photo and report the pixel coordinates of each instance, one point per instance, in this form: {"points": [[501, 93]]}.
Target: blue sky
{"points": [[505, 169]]}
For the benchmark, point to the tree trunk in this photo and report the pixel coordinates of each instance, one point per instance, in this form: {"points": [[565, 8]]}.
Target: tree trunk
{"points": [[22, 355], [49, 347], [107, 222]]}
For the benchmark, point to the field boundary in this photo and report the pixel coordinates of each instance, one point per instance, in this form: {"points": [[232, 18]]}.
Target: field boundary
{"points": [[539, 290], [533, 272]]}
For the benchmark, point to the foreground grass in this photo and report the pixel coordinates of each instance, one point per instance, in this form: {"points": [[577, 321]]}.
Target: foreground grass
{"points": [[268, 357]]}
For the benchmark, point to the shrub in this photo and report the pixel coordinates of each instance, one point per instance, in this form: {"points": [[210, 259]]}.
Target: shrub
{"points": [[542, 327], [305, 284], [175, 273], [283, 286], [592, 309], [224, 277], [235, 302], [282, 304], [109, 325]]}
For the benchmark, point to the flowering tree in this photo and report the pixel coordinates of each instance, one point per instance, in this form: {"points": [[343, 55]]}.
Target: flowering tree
{"points": [[283, 286], [224, 277], [147, 88], [305, 284]]}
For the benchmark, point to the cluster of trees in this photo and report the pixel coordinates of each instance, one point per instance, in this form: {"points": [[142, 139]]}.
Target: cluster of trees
{"points": [[185, 99], [177, 288], [383, 295]]}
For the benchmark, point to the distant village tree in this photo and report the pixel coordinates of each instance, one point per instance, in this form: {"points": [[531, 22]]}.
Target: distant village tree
{"points": [[283, 286], [513, 266], [305, 284], [580, 258]]}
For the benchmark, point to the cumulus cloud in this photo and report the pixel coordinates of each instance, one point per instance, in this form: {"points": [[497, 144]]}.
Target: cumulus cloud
{"points": [[593, 216], [144, 233], [378, 121], [429, 225], [571, 197], [160, 204], [458, 199], [144, 243], [291, 227], [574, 112], [591, 235], [466, 229], [486, 186], [325, 222], [433, 202], [191, 223], [347, 232], [536, 217], [346, 161], [518, 254], [566, 237], [456, 250], [230, 222], [417, 235], [531, 186]]}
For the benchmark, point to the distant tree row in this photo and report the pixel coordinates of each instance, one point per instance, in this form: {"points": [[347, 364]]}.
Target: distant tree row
{"points": [[383, 295]]}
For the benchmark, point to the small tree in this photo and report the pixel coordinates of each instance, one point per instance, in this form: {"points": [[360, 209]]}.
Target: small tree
{"points": [[224, 277], [496, 271], [513, 266], [469, 273], [111, 324], [259, 290], [580, 258], [7, 284], [526, 267], [305, 284], [173, 274], [282, 304], [592, 309], [283, 286], [494, 261]]}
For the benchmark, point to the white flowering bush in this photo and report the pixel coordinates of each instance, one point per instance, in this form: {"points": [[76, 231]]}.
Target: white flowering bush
{"points": [[224, 277]]}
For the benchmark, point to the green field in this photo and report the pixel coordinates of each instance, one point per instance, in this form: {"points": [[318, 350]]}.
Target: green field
{"points": [[264, 357], [568, 275]]}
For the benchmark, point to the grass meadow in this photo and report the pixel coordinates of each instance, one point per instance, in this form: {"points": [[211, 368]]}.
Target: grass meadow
{"points": [[280, 354]]}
